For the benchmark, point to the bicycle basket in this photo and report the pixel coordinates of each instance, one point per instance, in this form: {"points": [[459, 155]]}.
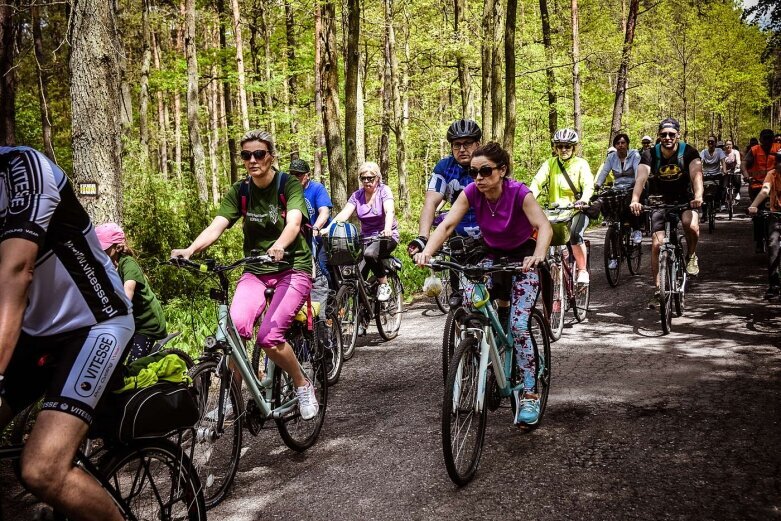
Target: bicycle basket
{"points": [[710, 187], [615, 204], [343, 245]]}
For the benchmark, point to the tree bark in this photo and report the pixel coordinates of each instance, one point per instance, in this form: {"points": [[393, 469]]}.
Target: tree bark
{"points": [[292, 77], [240, 65], [319, 136], [623, 69], [226, 95], [331, 123], [509, 84], [399, 126], [497, 57], [387, 100], [95, 95], [179, 44], [43, 83], [576, 110], [351, 92], [460, 34], [212, 94], [143, 101], [7, 74], [550, 78], [197, 155], [162, 114], [486, 58], [360, 117], [269, 99]]}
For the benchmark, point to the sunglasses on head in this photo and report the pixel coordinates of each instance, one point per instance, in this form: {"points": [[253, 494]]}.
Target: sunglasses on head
{"points": [[257, 154], [564, 146], [368, 178], [484, 171], [667, 134]]}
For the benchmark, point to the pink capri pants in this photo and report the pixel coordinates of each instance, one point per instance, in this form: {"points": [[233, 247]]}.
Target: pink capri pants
{"points": [[291, 290]]}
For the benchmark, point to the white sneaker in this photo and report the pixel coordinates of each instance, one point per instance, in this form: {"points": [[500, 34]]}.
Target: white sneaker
{"points": [[383, 292], [583, 277], [737, 197], [637, 237], [307, 401], [613, 264], [212, 415]]}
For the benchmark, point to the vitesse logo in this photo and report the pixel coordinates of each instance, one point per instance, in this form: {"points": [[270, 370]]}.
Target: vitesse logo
{"points": [[671, 172]]}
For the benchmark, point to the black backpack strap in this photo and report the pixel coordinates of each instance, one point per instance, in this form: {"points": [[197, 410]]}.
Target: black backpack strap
{"points": [[577, 193]]}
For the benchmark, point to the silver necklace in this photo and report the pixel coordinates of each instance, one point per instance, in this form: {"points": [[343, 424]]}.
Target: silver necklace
{"points": [[492, 209]]}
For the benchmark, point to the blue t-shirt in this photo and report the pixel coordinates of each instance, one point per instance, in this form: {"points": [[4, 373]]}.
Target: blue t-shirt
{"points": [[316, 196], [449, 179]]}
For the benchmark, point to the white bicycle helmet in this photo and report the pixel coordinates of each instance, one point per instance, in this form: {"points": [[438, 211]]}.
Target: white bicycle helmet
{"points": [[565, 135]]}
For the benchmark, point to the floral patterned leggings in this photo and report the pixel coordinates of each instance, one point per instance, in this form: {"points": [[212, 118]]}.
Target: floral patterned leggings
{"points": [[523, 290]]}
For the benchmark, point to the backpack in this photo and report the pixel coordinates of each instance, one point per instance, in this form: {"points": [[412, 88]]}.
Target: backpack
{"points": [[658, 148]]}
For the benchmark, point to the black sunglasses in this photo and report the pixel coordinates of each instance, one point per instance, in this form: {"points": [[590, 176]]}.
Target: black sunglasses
{"points": [[667, 134], [368, 179], [257, 154], [564, 146], [483, 171]]}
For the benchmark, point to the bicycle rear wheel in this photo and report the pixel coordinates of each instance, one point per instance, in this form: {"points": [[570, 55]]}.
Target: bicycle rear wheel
{"points": [[612, 255], [451, 337], [558, 302], [463, 425], [297, 433], [542, 354], [665, 291], [711, 216], [730, 200], [443, 298], [634, 254], [330, 337], [582, 292], [347, 313], [156, 480], [218, 434], [388, 314], [679, 297]]}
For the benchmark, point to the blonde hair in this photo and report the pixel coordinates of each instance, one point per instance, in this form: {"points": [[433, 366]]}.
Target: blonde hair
{"points": [[370, 167]]}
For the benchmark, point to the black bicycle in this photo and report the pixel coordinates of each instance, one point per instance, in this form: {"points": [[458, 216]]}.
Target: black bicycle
{"points": [[731, 192], [618, 237], [710, 202]]}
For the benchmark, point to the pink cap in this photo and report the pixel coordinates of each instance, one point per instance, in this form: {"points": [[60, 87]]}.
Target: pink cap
{"points": [[108, 234]]}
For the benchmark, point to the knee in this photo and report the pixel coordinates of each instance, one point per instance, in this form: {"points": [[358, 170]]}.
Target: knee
{"points": [[245, 324], [43, 476]]}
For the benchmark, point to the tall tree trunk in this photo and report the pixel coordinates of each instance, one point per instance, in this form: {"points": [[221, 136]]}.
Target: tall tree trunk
{"points": [[197, 156], [226, 95], [360, 118], [7, 74], [331, 123], [319, 136], [212, 94], [162, 114], [351, 92], [576, 110], [460, 30], [509, 83], [266, 32], [179, 44], [240, 64], [292, 78], [497, 57], [623, 69], [43, 83], [550, 78], [486, 58], [399, 126], [95, 94], [387, 99], [143, 101]]}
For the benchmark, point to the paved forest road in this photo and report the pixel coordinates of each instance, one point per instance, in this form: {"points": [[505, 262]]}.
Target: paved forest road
{"points": [[638, 426]]}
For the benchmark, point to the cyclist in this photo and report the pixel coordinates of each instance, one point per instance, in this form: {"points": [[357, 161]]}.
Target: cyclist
{"points": [[713, 168], [674, 172], [771, 190], [513, 226], [65, 323], [562, 174], [759, 160], [448, 180], [274, 226], [374, 205], [732, 165], [147, 311], [623, 165], [645, 142]]}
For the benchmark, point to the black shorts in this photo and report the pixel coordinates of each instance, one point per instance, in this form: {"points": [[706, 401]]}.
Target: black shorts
{"points": [[70, 370], [657, 219]]}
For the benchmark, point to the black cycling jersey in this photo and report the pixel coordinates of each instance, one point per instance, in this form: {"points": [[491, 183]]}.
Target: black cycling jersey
{"points": [[669, 180]]}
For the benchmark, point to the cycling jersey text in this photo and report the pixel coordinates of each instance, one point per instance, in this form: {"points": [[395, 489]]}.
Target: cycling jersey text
{"points": [[89, 271]]}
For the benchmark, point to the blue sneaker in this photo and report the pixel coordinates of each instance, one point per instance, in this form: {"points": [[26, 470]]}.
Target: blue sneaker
{"points": [[528, 412]]}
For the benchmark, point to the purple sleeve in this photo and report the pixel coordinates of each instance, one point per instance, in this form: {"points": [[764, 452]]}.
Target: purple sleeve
{"points": [[353, 200], [523, 191], [385, 193]]}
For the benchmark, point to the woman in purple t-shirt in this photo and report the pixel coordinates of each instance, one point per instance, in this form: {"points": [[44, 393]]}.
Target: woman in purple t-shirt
{"points": [[513, 226], [374, 205]]}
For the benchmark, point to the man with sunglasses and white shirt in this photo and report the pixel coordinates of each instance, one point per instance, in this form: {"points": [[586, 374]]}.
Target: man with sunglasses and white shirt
{"points": [[673, 171], [560, 174]]}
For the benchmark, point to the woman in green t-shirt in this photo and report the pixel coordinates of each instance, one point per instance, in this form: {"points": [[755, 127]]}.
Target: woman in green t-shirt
{"points": [[271, 224], [147, 311]]}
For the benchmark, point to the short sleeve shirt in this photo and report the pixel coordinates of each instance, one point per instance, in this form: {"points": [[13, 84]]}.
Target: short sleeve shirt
{"points": [[669, 180], [263, 223], [449, 179], [316, 197], [75, 284], [504, 223], [711, 163], [372, 216], [147, 311]]}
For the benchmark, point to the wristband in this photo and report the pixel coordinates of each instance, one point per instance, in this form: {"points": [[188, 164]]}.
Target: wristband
{"points": [[419, 243]]}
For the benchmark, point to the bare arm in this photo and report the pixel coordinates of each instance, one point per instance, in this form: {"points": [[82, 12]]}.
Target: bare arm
{"points": [[17, 262], [432, 201], [695, 173], [322, 217], [130, 288], [346, 212], [443, 231], [205, 239], [763, 194], [540, 222], [640, 178], [388, 207]]}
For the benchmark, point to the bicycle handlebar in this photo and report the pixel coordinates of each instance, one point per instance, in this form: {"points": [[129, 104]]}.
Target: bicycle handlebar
{"points": [[211, 266], [474, 269]]}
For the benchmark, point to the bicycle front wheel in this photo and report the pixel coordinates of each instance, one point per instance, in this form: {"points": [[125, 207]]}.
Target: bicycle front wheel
{"points": [[711, 217], [730, 201], [463, 424], [539, 336], [665, 290], [634, 253], [582, 292], [218, 434], [388, 314], [558, 301], [297, 433], [156, 480], [347, 313], [612, 255], [443, 298], [679, 297], [451, 337]]}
